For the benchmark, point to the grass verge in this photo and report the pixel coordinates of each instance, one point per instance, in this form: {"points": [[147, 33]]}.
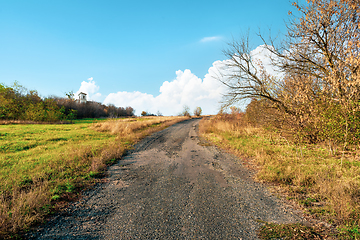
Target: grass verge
{"points": [[43, 166], [325, 186]]}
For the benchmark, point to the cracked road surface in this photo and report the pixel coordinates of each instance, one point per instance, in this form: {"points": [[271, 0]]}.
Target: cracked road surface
{"points": [[171, 187]]}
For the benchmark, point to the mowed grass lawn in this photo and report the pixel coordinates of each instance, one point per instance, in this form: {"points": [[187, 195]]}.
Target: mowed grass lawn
{"points": [[42, 166]]}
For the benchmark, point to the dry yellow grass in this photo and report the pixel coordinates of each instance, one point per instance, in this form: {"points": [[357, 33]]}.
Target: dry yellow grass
{"points": [[325, 185], [129, 125], [23, 208]]}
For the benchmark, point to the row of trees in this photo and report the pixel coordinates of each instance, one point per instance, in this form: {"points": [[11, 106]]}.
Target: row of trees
{"points": [[149, 114], [315, 93], [17, 103], [93, 109], [186, 111]]}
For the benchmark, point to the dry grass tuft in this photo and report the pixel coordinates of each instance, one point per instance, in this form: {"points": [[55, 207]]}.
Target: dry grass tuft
{"points": [[22, 208]]}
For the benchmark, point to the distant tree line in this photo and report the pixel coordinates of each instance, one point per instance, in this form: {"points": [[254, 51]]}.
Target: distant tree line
{"points": [[186, 111], [148, 114], [92, 109], [18, 103]]}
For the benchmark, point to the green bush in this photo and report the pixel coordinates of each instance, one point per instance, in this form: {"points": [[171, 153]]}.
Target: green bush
{"points": [[17, 103]]}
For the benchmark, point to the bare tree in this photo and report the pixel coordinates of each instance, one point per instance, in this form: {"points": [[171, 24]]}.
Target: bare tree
{"points": [[186, 111], [319, 66], [323, 45], [197, 111], [245, 76]]}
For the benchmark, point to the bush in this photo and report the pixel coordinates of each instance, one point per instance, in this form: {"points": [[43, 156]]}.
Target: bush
{"points": [[197, 111], [186, 111]]}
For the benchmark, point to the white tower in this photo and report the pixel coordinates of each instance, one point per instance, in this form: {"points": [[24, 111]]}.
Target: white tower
{"points": [[82, 97]]}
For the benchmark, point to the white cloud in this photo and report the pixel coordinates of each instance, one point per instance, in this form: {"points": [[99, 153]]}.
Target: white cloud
{"points": [[210, 39], [96, 97], [185, 89], [137, 100], [264, 56], [90, 88]]}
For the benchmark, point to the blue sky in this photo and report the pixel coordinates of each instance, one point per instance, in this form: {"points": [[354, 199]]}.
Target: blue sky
{"points": [[128, 50]]}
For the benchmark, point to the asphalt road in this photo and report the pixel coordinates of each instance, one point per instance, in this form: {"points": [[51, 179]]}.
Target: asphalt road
{"points": [[171, 186]]}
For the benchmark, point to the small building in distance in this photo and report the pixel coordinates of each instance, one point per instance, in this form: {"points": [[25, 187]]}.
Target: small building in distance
{"points": [[82, 97]]}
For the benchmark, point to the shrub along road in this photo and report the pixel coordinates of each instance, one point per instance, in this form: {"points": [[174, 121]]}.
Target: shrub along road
{"points": [[171, 186]]}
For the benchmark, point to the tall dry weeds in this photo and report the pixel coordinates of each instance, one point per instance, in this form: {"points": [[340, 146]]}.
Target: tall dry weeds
{"points": [[22, 208], [315, 178]]}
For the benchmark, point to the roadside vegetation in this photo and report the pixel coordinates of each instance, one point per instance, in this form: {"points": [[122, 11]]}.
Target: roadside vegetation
{"points": [[325, 185], [302, 123], [43, 166]]}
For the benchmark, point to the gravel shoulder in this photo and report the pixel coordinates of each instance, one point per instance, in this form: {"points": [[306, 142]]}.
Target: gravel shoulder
{"points": [[171, 187]]}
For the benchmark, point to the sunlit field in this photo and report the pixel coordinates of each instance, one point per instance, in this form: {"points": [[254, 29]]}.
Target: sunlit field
{"points": [[42, 166]]}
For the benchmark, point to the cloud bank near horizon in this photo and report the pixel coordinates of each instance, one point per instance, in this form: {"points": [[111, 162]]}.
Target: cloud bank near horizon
{"points": [[186, 89]]}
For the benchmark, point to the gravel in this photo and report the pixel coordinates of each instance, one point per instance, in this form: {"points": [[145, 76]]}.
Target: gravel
{"points": [[171, 187]]}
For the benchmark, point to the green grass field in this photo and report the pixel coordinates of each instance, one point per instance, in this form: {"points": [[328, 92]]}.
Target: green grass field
{"points": [[35, 151], [42, 166]]}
